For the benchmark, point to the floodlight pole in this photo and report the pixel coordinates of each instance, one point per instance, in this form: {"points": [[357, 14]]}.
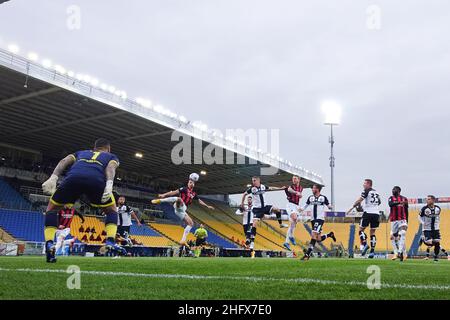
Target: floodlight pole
{"points": [[332, 162]]}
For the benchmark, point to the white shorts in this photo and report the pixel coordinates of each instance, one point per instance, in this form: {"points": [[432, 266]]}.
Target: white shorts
{"points": [[292, 208], [396, 225], [62, 234], [181, 211]]}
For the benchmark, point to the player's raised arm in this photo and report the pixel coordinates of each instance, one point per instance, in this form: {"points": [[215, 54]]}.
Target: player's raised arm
{"points": [[201, 202], [276, 188], [169, 194], [244, 195], [356, 204], [49, 186], [110, 173]]}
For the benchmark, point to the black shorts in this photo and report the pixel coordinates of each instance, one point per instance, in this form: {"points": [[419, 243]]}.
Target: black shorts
{"points": [[248, 228], [317, 225], [432, 235], [72, 188], [123, 230], [200, 242], [260, 212], [372, 219]]}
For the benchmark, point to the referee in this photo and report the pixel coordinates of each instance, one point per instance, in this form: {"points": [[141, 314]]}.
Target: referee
{"points": [[125, 213], [201, 235]]}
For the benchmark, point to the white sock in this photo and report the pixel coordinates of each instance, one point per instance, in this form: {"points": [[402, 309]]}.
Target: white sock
{"points": [[59, 243], [290, 232], [186, 232], [252, 245], [169, 199], [394, 245], [401, 242]]}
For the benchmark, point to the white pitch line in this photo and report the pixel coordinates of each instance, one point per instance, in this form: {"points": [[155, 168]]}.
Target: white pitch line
{"points": [[237, 278]]}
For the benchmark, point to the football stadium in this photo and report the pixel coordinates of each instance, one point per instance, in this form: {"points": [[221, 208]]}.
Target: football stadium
{"points": [[184, 215], [154, 255]]}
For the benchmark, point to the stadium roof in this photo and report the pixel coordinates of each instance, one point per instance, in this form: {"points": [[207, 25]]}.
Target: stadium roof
{"points": [[48, 111]]}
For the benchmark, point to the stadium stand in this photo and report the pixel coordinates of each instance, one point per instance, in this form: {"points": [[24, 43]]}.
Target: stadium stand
{"points": [[171, 231], [10, 198], [5, 236], [23, 225], [445, 227]]}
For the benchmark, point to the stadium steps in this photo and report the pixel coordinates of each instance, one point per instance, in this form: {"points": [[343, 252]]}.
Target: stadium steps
{"points": [[5, 236], [273, 225], [210, 224], [217, 238], [224, 220], [273, 233], [171, 231], [263, 229], [342, 233], [12, 199], [228, 231]]}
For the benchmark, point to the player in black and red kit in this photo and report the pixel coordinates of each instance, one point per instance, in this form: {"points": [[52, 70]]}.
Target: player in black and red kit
{"points": [[182, 198], [399, 223], [294, 195], [65, 217]]}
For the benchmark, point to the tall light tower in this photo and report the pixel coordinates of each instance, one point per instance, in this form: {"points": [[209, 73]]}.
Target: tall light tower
{"points": [[332, 111]]}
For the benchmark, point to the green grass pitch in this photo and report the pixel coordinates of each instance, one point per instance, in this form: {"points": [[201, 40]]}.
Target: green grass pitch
{"points": [[222, 278]]}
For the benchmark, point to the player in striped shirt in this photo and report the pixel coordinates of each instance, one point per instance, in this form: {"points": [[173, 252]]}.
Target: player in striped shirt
{"points": [[399, 222], [262, 210], [430, 217], [294, 195], [181, 199], [247, 224], [319, 204]]}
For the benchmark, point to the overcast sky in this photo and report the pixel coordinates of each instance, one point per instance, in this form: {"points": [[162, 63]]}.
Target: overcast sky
{"points": [[269, 64]]}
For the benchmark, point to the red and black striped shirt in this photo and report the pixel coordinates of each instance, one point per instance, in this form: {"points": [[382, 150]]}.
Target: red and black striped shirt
{"points": [[292, 197], [187, 195], [66, 217], [398, 211]]}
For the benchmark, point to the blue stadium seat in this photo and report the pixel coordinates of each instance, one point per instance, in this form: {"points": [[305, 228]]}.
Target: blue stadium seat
{"points": [[11, 199], [143, 231], [23, 225]]}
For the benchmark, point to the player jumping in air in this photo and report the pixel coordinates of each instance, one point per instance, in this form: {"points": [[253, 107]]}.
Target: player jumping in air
{"points": [[181, 199], [370, 201], [247, 224], [430, 217], [399, 223], [261, 210], [294, 195], [319, 203], [90, 172]]}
